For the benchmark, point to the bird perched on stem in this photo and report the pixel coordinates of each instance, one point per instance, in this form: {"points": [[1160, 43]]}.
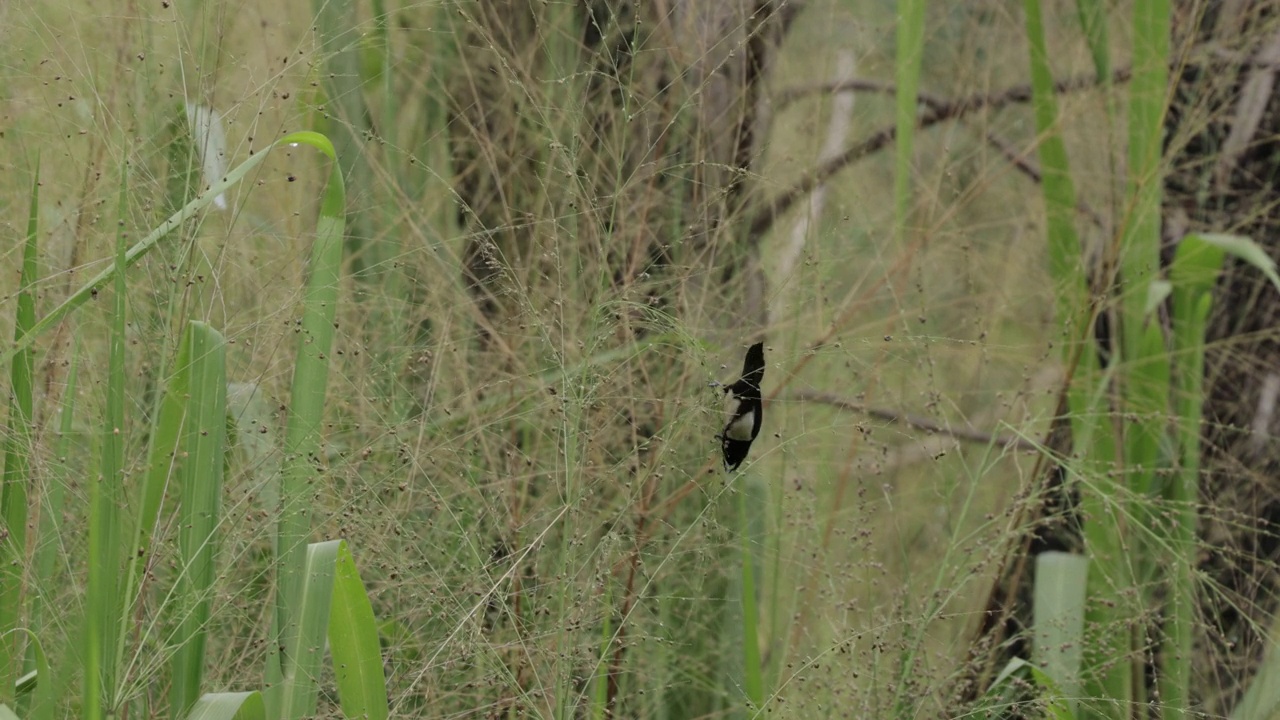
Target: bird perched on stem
{"points": [[744, 410]]}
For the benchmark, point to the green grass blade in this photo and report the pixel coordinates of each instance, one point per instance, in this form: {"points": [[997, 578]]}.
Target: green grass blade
{"points": [[17, 467], [1262, 700], [147, 243], [1092, 437], [305, 637], [1145, 364], [1193, 275], [307, 398], [50, 541], [344, 87], [353, 644], [103, 598], [1140, 243], [1093, 20], [163, 452], [1065, 256], [43, 698], [229, 706], [1146, 390], [1058, 620], [910, 55], [1012, 682], [203, 451]]}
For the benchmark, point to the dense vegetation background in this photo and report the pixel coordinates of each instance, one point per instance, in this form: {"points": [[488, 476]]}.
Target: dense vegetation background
{"points": [[985, 243]]}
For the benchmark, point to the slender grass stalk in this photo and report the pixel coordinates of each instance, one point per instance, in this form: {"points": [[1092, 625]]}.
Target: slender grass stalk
{"points": [[1094, 23], [559, 112], [750, 525], [1144, 359], [909, 57], [203, 451], [599, 701], [302, 456], [1092, 436], [17, 465], [1140, 244]]}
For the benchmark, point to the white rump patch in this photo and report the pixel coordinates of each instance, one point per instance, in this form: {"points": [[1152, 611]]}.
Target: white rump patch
{"points": [[740, 429]]}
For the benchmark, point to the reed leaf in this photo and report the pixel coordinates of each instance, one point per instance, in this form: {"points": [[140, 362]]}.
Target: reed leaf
{"points": [[203, 449]]}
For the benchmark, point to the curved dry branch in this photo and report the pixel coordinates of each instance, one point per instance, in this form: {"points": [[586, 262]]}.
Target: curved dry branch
{"points": [[1011, 442], [938, 110]]}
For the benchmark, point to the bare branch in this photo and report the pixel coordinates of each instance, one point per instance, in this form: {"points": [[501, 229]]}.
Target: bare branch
{"points": [[938, 111], [1020, 160], [914, 421]]}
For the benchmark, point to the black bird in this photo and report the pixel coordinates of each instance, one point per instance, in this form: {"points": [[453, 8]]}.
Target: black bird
{"points": [[744, 411]]}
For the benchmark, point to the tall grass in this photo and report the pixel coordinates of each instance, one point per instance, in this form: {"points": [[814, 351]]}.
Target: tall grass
{"points": [[476, 348], [189, 435], [1139, 535]]}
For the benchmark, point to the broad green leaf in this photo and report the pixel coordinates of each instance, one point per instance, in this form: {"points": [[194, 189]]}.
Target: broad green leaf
{"points": [[302, 461], [1193, 274], [1058, 610], [354, 646], [162, 463], [38, 681], [103, 602], [1195, 262], [1157, 292], [229, 706], [1092, 435], [203, 449], [305, 635]]}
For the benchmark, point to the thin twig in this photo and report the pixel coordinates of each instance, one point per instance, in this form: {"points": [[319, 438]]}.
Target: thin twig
{"points": [[1020, 160], [914, 421]]}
